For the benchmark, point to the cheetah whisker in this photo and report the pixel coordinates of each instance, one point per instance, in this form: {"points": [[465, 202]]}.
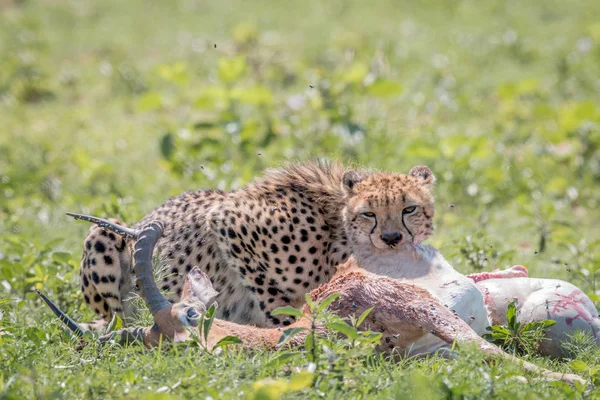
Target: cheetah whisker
{"points": [[127, 233]]}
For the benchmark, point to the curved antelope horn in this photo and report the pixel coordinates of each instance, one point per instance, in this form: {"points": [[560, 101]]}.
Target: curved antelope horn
{"points": [[127, 233], [144, 271], [144, 247], [72, 325], [142, 256], [126, 335]]}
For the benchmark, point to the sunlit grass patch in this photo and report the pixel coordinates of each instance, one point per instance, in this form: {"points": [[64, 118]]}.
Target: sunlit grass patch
{"points": [[108, 108]]}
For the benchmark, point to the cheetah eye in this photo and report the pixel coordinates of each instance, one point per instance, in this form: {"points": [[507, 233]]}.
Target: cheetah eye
{"points": [[368, 214], [409, 210]]}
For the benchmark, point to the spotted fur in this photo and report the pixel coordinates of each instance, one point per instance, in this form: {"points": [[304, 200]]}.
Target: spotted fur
{"points": [[265, 245]]}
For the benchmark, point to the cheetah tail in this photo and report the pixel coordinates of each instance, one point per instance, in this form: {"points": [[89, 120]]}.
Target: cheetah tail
{"points": [[72, 325], [127, 233]]}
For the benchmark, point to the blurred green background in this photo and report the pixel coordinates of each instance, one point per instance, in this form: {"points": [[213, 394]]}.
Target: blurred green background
{"points": [[110, 107]]}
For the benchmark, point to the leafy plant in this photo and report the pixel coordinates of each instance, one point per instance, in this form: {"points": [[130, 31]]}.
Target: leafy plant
{"points": [[204, 325], [356, 337], [328, 356], [315, 311], [516, 337], [25, 265]]}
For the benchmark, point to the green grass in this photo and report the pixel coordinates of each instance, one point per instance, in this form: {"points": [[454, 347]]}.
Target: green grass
{"points": [[110, 107]]}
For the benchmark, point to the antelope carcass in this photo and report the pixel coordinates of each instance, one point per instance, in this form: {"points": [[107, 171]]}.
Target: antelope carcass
{"points": [[403, 312]]}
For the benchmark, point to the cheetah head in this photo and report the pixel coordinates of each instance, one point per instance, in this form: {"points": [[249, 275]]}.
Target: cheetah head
{"points": [[386, 211]]}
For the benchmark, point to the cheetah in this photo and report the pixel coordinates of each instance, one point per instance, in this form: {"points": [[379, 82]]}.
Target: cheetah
{"points": [[268, 244]]}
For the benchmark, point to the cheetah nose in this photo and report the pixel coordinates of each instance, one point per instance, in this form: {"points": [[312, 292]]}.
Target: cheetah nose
{"points": [[391, 238]]}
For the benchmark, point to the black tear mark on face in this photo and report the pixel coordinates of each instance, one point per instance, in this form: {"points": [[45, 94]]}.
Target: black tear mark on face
{"points": [[412, 237], [373, 230]]}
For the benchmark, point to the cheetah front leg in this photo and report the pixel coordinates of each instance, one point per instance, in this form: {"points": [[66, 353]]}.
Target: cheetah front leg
{"points": [[106, 272]]}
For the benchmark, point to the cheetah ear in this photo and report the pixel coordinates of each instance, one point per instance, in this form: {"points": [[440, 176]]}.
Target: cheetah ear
{"points": [[423, 173], [197, 285], [349, 181]]}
